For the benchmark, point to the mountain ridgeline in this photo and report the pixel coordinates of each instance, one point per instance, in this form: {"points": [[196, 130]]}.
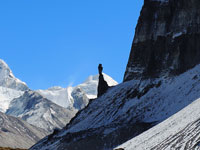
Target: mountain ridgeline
{"points": [[162, 77], [44, 110]]}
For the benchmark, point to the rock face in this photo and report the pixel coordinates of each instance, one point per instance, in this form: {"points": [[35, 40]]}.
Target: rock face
{"points": [[39, 111], [81, 99], [166, 39], [102, 85]]}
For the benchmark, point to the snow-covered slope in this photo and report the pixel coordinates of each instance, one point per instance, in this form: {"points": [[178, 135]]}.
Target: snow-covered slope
{"points": [[58, 95], [10, 86], [6, 96], [16, 133], [7, 79], [180, 131], [39, 111], [90, 85], [63, 96], [125, 111]]}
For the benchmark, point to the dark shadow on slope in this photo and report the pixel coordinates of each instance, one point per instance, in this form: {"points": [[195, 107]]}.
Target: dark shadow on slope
{"points": [[100, 138]]}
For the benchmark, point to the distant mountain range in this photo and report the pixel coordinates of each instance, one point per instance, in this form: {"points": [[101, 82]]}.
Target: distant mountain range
{"points": [[46, 109]]}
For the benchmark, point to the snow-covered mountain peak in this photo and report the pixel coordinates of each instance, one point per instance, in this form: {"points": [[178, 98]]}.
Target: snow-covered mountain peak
{"points": [[7, 79], [2, 63], [91, 78], [10, 86], [5, 70], [90, 85], [39, 111], [55, 88], [63, 96]]}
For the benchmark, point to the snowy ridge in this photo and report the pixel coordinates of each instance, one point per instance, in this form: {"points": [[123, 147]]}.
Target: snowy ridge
{"points": [[7, 79], [125, 105], [58, 95], [10, 86], [180, 131], [90, 85], [63, 96], [39, 111]]}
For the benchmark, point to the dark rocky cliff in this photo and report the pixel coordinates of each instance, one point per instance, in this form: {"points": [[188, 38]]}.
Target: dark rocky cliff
{"points": [[166, 39]]}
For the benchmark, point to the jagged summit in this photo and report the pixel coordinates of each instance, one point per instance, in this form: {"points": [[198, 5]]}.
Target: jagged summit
{"points": [[7, 79], [10, 86], [90, 85], [39, 111], [95, 78], [63, 96]]}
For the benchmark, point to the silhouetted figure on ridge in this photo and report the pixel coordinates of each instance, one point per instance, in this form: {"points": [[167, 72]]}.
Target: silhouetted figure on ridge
{"points": [[102, 86]]}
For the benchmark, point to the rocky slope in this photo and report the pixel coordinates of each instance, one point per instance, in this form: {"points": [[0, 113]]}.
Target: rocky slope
{"points": [[125, 111], [6, 96], [166, 39], [159, 82], [180, 131], [16, 133], [8, 148], [39, 111]]}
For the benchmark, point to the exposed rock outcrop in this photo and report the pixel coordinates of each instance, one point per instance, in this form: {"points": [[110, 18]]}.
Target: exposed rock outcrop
{"points": [[166, 39], [103, 85], [81, 99], [39, 111]]}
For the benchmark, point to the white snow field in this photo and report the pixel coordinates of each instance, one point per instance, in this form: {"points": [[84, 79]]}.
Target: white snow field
{"points": [[180, 131]]}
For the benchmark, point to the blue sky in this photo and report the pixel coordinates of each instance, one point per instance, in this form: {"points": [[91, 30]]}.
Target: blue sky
{"points": [[61, 42]]}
